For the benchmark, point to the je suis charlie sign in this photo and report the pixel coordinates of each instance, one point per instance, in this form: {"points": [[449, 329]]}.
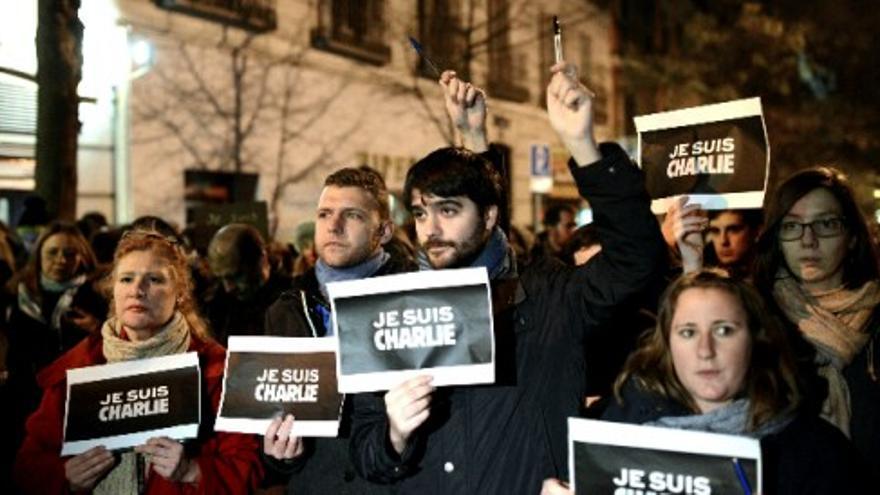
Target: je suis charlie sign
{"points": [[268, 377], [625, 459], [391, 328], [717, 154], [120, 405]]}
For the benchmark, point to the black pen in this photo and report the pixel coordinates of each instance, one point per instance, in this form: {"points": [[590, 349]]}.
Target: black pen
{"points": [[557, 39]]}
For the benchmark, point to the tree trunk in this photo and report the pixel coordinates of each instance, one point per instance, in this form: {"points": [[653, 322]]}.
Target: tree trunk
{"points": [[59, 70]]}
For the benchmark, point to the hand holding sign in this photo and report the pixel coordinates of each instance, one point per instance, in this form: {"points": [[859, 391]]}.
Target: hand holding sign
{"points": [[466, 106], [279, 443], [570, 108], [408, 406], [167, 458], [84, 470], [686, 223]]}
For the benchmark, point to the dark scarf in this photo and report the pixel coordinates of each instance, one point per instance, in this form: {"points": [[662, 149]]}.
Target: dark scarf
{"points": [[496, 256]]}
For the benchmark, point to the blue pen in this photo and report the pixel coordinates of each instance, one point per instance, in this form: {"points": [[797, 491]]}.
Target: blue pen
{"points": [[421, 51], [741, 475]]}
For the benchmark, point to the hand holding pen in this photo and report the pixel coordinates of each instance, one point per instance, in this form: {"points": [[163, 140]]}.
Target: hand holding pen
{"points": [[466, 106]]}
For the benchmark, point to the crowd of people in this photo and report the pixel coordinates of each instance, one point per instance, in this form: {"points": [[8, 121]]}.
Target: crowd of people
{"points": [[725, 321]]}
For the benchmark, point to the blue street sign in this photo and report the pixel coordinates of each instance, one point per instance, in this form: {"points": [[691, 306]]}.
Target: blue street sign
{"points": [[539, 159]]}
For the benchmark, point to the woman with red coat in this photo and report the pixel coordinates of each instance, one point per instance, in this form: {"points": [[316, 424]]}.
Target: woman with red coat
{"points": [[153, 314]]}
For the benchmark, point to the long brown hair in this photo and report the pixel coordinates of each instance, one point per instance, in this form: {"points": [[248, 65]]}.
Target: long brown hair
{"points": [[168, 250], [861, 263], [770, 384]]}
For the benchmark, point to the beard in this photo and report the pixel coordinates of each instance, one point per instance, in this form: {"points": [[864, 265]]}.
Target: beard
{"points": [[459, 253]]}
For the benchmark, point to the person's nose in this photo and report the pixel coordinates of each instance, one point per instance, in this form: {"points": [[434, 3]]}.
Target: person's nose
{"points": [[337, 224], [432, 227], [725, 239], [139, 288], [809, 238], [705, 346]]}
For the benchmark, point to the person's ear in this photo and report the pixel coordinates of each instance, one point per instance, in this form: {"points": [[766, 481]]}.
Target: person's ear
{"points": [[265, 266], [385, 231], [490, 217]]}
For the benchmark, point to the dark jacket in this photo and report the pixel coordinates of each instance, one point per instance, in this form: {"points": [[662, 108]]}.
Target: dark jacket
{"points": [[863, 380], [325, 466], [34, 343], [229, 315], [508, 437], [809, 456]]}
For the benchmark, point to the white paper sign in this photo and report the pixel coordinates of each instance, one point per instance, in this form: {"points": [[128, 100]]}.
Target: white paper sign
{"points": [[392, 328]]}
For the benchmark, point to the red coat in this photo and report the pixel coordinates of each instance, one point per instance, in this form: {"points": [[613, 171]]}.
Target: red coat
{"points": [[229, 462]]}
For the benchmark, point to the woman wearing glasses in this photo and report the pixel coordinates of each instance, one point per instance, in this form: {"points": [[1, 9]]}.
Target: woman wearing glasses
{"points": [[817, 264], [153, 314]]}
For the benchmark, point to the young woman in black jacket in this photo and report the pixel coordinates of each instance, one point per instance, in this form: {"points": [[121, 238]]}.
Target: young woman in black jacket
{"points": [[717, 362]]}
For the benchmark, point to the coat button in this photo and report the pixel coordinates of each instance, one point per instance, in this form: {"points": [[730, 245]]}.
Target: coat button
{"points": [[448, 467], [348, 476]]}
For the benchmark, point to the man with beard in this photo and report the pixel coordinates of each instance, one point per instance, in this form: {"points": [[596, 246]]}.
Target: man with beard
{"points": [[352, 225], [509, 436]]}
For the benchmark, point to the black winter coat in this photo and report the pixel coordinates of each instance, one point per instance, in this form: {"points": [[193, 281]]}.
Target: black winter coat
{"points": [[862, 377], [508, 437], [808, 457], [325, 467]]}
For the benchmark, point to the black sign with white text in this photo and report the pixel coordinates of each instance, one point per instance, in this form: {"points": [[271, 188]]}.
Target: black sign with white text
{"points": [[394, 327], [627, 459], [718, 151], [121, 404], [267, 377]]}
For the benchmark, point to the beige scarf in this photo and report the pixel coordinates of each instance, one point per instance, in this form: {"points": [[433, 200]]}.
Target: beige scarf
{"points": [[834, 322], [173, 338]]}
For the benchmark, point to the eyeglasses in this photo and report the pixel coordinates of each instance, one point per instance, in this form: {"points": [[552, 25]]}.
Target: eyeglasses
{"points": [[825, 227]]}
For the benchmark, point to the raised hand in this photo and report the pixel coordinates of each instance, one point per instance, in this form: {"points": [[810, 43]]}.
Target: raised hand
{"points": [[570, 108], [84, 470], [466, 107], [279, 443], [407, 406]]}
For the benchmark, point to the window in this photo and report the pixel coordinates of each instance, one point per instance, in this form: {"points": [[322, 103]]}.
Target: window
{"points": [[252, 15], [353, 28], [505, 80], [443, 38]]}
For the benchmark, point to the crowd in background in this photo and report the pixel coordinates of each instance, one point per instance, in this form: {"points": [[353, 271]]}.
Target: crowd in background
{"points": [[796, 289]]}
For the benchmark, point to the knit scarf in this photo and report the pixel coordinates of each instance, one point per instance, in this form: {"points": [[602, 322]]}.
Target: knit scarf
{"points": [[326, 274], [173, 338], [497, 257], [732, 419], [28, 304], [834, 322]]}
